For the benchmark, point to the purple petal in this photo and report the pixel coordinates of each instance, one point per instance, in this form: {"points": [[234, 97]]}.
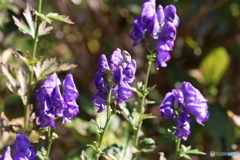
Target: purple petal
{"points": [[138, 32], [183, 126], [167, 106], [102, 64], [7, 154], [98, 82], [162, 58], [118, 75], [148, 12], [170, 12], [130, 71], [100, 100], [70, 91], [115, 59], [160, 14], [153, 27], [169, 31]]}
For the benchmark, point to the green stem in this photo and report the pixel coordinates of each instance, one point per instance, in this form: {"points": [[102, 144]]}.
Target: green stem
{"points": [[37, 28], [31, 72], [142, 104], [109, 114], [177, 148], [50, 141], [126, 146]]}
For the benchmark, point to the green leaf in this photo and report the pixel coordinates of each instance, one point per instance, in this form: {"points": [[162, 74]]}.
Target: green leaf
{"points": [[58, 17], [146, 145], [150, 102], [137, 91], [27, 29], [43, 29], [43, 17], [184, 155], [215, 65], [147, 116], [46, 67], [25, 57], [17, 79], [195, 151]]}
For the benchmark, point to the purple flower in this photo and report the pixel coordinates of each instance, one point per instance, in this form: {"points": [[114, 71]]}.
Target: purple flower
{"points": [[138, 31], [183, 126], [148, 12], [98, 82], [121, 74], [124, 92], [160, 14], [100, 100], [115, 59], [194, 102], [190, 102], [102, 64], [47, 88], [118, 75], [7, 154], [54, 104], [170, 13], [162, 58], [71, 111], [70, 91], [130, 71], [153, 27], [23, 149], [167, 106]]}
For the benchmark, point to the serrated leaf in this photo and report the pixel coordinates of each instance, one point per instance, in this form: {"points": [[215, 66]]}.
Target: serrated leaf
{"points": [[215, 65], [43, 29], [147, 116], [17, 79], [146, 145], [25, 57], [49, 66], [58, 17], [26, 29]]}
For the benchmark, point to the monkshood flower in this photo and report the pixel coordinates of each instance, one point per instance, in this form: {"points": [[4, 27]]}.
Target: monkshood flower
{"points": [[54, 104], [190, 102], [161, 25], [22, 149], [115, 73], [7, 154]]}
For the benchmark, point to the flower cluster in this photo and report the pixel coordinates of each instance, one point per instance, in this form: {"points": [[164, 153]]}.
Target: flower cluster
{"points": [[54, 104], [161, 25], [113, 77], [23, 150], [190, 101]]}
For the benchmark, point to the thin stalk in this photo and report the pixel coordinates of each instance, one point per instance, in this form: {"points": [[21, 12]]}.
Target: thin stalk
{"points": [[31, 72], [109, 114], [177, 148], [50, 141], [126, 146], [142, 107]]}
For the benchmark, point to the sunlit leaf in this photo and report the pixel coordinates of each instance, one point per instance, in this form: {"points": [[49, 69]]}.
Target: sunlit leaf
{"points": [[25, 57], [58, 17], [27, 29], [43, 29], [215, 65], [49, 66], [17, 79], [147, 116]]}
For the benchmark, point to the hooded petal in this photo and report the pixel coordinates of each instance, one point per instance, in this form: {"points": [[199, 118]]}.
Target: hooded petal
{"points": [[167, 106], [102, 64], [70, 91]]}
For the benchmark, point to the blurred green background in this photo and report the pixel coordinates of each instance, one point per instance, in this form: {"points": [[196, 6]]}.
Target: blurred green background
{"points": [[206, 53]]}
